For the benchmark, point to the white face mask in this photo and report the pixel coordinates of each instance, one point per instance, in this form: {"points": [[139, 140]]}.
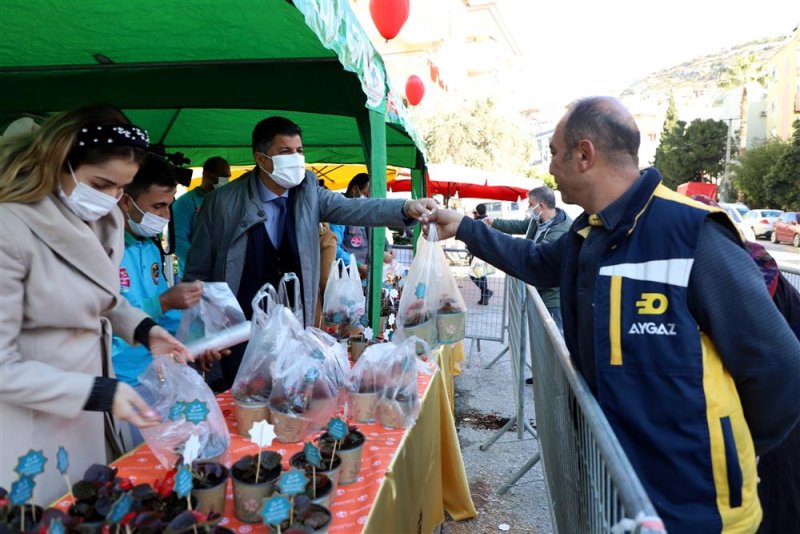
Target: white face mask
{"points": [[151, 224], [288, 169], [532, 214], [86, 202], [222, 180]]}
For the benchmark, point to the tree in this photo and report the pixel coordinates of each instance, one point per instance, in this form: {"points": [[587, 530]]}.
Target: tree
{"points": [[744, 72], [477, 135], [783, 180], [694, 153], [752, 170]]}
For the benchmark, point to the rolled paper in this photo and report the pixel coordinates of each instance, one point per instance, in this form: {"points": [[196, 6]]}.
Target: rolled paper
{"points": [[221, 340]]}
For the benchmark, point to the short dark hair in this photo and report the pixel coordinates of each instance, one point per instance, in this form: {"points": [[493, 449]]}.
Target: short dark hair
{"points": [[360, 181], [154, 171], [214, 164], [544, 195], [480, 209], [265, 131], [608, 126]]}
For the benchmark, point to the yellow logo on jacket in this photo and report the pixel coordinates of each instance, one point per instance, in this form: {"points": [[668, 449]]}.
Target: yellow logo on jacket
{"points": [[652, 304]]}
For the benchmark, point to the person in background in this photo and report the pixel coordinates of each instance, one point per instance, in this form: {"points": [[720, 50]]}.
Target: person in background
{"points": [[353, 241], [145, 207], [216, 173], [266, 224], [60, 247], [545, 223], [655, 291], [479, 268]]}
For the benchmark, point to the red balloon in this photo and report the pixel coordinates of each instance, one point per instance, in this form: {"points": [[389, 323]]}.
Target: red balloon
{"points": [[389, 16], [415, 90]]}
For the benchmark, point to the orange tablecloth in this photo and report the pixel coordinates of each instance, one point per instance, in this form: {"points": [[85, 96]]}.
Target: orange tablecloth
{"points": [[353, 504]]}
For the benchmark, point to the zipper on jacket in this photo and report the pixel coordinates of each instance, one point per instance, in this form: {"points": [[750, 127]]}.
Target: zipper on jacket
{"points": [[732, 467]]}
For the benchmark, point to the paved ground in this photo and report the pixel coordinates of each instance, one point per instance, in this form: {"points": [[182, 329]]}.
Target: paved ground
{"points": [[484, 403]]}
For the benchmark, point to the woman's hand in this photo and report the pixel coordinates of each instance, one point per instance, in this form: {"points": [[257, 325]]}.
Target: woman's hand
{"points": [[163, 343], [129, 406]]}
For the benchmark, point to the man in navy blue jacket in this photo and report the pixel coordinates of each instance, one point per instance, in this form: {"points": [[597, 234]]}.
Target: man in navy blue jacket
{"points": [[667, 318]]}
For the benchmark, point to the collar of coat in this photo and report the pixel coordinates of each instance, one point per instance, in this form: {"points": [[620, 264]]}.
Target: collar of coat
{"points": [[94, 249]]}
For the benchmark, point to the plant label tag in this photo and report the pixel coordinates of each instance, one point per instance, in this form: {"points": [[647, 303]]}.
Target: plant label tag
{"points": [[191, 450], [393, 294], [262, 434], [292, 482], [62, 460], [311, 452], [31, 464], [420, 291], [337, 429], [177, 411], [22, 490], [196, 411], [120, 509], [275, 510], [368, 333], [312, 374], [392, 319], [56, 527], [183, 482]]}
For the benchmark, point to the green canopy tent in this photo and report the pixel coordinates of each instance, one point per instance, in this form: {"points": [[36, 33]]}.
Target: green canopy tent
{"points": [[199, 75]]}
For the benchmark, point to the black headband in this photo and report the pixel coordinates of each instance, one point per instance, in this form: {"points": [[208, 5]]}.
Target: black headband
{"points": [[113, 135]]}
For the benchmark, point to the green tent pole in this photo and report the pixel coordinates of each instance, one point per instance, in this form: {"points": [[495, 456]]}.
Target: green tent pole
{"points": [[375, 143], [419, 189]]}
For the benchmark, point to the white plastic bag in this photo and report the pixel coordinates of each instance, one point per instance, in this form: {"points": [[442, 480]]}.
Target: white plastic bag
{"points": [[273, 324], [344, 304], [216, 322], [431, 307], [187, 407]]}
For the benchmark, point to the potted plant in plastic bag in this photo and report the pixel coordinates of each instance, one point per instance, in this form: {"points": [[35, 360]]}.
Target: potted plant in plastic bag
{"points": [[249, 491]]}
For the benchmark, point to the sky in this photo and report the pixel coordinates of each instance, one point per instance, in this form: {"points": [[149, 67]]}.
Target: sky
{"points": [[575, 48]]}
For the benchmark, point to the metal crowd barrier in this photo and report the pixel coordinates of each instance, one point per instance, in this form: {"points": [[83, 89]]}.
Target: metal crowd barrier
{"points": [[591, 484], [792, 274]]}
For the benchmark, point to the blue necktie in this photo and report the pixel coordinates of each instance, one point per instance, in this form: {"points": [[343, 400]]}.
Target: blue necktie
{"points": [[280, 222]]}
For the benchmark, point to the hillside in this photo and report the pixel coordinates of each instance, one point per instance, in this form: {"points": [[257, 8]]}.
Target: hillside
{"points": [[699, 76]]}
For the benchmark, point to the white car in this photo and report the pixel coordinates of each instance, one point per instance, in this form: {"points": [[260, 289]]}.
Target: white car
{"points": [[736, 217], [762, 221]]}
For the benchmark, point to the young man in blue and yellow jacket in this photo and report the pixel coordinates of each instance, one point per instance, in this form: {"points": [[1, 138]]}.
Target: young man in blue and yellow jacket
{"points": [[667, 318], [145, 206]]}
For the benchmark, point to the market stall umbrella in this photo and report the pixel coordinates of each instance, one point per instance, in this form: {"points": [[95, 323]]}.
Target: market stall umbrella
{"points": [[464, 190]]}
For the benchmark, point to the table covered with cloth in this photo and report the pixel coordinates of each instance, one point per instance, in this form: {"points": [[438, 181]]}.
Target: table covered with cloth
{"points": [[408, 477]]}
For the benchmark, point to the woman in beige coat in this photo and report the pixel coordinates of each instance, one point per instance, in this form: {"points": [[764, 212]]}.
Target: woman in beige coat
{"points": [[61, 241]]}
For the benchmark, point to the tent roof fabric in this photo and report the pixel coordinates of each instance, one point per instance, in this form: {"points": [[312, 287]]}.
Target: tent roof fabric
{"points": [[203, 73]]}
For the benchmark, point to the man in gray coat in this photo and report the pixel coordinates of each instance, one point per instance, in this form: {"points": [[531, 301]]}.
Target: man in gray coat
{"points": [[266, 223], [545, 222]]}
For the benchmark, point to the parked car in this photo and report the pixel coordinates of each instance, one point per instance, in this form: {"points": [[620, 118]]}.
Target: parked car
{"points": [[736, 217], [762, 221], [738, 206], [787, 229]]}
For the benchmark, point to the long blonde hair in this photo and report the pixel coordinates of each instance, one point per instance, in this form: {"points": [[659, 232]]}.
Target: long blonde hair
{"points": [[30, 164]]}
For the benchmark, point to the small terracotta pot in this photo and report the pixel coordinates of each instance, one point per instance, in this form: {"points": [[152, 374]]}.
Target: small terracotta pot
{"points": [[212, 499], [363, 406], [290, 428], [391, 413], [357, 348], [248, 413], [425, 331], [351, 462], [248, 498], [450, 327]]}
